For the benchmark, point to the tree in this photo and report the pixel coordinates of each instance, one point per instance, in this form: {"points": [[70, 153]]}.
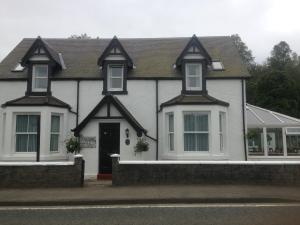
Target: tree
{"points": [[81, 36], [281, 56], [245, 52]]}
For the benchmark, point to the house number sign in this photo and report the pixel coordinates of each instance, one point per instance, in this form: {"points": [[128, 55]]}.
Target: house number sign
{"points": [[87, 142]]}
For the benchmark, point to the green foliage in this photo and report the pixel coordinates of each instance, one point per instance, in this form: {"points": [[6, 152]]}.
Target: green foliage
{"points": [[275, 85], [245, 53], [141, 146], [81, 36], [73, 145]]}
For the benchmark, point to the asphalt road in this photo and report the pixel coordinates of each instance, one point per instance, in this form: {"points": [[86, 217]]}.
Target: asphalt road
{"points": [[204, 214]]}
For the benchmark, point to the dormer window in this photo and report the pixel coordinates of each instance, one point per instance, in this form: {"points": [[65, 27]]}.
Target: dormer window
{"points": [[115, 77], [193, 76], [39, 78]]}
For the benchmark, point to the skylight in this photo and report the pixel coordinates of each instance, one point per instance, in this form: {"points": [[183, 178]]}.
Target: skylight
{"points": [[18, 68], [217, 65]]}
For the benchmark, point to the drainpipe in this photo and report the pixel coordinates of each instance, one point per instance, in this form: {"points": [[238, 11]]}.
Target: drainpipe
{"points": [[77, 103], [156, 91], [244, 121]]}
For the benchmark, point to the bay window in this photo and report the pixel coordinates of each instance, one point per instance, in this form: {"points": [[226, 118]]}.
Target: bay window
{"points": [[170, 131], [39, 77], [54, 133], [115, 77], [196, 131], [26, 133], [193, 76]]}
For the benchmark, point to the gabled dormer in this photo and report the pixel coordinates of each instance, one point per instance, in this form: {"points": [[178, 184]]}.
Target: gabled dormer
{"points": [[193, 63], [42, 62], [115, 64]]}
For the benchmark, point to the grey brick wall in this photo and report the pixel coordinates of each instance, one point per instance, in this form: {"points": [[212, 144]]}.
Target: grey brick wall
{"points": [[142, 174], [36, 176]]}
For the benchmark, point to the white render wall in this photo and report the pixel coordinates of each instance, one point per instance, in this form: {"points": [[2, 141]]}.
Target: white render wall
{"points": [[231, 92], [141, 103]]}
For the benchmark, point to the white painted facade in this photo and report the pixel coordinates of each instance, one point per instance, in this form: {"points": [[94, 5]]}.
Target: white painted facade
{"points": [[142, 99], [141, 95]]}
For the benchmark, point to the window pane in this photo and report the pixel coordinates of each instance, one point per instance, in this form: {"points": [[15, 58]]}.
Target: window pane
{"points": [[201, 123], [293, 144], [41, 83], [189, 142], [202, 142], [116, 71], [193, 69], [116, 83], [21, 123], [21, 142], [33, 123], [193, 82], [54, 142], [55, 123], [41, 71], [255, 141], [189, 124], [32, 143], [171, 123], [274, 141], [171, 141]]}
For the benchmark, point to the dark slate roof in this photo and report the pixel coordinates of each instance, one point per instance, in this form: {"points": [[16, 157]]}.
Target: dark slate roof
{"points": [[203, 99], [153, 57], [37, 101], [122, 109]]}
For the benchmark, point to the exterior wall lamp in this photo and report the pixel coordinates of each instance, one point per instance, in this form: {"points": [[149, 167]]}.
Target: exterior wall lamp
{"points": [[127, 133]]}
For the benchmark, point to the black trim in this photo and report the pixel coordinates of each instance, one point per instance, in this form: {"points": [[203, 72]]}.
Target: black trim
{"points": [[120, 107], [114, 43], [38, 139], [244, 120], [156, 111], [49, 52], [193, 42], [77, 102], [107, 117], [13, 79], [204, 74], [203, 99], [107, 63]]}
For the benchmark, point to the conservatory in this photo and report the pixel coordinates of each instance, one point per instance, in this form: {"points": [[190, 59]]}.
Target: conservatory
{"points": [[271, 135]]}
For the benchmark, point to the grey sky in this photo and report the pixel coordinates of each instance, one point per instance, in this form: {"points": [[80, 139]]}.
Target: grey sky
{"points": [[260, 23]]}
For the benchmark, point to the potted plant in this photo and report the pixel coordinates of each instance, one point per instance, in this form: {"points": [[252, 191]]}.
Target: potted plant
{"points": [[141, 146], [73, 145]]}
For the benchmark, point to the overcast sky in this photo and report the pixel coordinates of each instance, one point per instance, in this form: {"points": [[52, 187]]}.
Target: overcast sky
{"points": [[260, 23]]}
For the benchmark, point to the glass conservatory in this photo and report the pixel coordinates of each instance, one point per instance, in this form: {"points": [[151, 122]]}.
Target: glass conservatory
{"points": [[271, 135]]}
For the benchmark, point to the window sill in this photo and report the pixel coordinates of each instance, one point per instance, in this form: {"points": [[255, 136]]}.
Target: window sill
{"points": [[196, 92], [115, 92]]}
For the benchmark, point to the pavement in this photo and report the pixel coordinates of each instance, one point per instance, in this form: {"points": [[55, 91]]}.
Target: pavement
{"points": [[103, 193]]}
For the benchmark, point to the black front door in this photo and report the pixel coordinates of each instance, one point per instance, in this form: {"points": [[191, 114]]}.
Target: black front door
{"points": [[109, 143]]}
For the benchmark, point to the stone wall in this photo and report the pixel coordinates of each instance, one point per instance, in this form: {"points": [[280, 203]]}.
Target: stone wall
{"points": [[43, 174], [205, 173]]}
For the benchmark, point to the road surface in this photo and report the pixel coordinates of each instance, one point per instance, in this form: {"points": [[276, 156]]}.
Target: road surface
{"points": [[204, 214]]}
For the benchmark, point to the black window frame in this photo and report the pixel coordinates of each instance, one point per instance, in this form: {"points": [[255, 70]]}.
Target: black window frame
{"points": [[108, 63]]}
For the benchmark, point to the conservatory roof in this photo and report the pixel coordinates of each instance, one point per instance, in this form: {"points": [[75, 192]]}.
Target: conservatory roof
{"points": [[260, 117]]}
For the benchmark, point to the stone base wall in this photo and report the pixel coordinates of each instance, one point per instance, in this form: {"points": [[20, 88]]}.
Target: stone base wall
{"points": [[155, 174], [42, 175]]}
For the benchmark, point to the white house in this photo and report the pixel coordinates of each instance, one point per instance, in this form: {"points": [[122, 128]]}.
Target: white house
{"points": [[185, 96]]}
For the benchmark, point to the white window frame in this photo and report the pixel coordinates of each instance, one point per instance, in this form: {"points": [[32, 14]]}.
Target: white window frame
{"points": [[197, 132], [34, 77], [27, 133], [57, 133], [187, 76], [170, 133], [109, 77], [222, 131]]}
